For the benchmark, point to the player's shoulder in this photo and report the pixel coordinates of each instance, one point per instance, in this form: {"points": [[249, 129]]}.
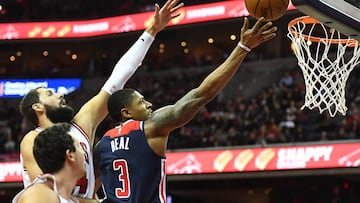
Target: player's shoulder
{"points": [[30, 136], [112, 132], [39, 193], [27, 141], [125, 128], [132, 125]]}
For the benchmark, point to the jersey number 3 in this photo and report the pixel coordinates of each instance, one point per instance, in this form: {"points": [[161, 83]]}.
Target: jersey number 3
{"points": [[121, 166]]}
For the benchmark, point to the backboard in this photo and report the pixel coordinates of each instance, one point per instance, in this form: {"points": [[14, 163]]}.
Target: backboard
{"points": [[342, 15]]}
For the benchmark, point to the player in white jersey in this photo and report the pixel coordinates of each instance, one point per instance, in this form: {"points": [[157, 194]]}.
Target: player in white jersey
{"points": [[42, 107], [82, 188], [61, 157]]}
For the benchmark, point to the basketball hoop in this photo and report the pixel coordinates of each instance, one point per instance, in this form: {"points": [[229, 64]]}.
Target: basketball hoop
{"points": [[326, 58]]}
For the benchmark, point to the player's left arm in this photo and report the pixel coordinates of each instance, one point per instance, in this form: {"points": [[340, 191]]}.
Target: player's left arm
{"points": [[95, 110]]}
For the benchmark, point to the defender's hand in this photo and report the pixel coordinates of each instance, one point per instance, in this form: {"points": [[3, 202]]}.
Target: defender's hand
{"points": [[163, 16]]}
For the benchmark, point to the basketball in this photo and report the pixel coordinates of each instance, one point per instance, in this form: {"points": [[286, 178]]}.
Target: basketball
{"points": [[269, 9]]}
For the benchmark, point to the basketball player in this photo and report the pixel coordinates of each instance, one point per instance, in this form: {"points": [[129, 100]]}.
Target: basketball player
{"points": [[61, 158], [131, 156], [42, 107]]}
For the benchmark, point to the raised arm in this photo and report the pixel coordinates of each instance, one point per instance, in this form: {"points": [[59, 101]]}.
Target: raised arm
{"points": [[170, 117], [95, 110]]}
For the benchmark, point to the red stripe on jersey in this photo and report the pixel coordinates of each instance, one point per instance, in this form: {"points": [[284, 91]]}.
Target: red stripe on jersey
{"points": [[125, 129], [162, 186], [81, 130]]}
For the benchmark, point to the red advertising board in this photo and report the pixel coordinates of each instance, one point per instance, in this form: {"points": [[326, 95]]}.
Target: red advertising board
{"points": [[242, 160], [261, 159], [119, 24], [10, 172]]}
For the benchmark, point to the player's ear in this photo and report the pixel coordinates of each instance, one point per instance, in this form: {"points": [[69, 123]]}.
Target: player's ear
{"points": [[37, 106], [125, 113], [70, 155]]}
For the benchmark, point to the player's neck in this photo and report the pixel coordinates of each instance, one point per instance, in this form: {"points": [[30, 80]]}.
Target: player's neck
{"points": [[64, 183], [44, 123]]}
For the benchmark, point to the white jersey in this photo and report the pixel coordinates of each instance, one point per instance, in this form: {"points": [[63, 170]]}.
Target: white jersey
{"points": [[42, 179], [86, 185]]}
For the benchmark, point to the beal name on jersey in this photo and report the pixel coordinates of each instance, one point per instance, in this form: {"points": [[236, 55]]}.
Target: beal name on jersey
{"points": [[120, 143]]}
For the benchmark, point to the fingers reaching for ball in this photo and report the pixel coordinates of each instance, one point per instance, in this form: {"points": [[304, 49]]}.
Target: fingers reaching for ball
{"points": [[259, 33]]}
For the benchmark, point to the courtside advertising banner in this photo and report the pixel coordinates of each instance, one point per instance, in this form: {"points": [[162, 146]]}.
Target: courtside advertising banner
{"points": [[242, 160], [264, 159]]}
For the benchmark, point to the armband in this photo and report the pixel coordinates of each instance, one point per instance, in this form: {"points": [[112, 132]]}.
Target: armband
{"points": [[241, 45]]}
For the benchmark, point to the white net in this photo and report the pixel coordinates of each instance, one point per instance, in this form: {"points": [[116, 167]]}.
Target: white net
{"points": [[326, 59]]}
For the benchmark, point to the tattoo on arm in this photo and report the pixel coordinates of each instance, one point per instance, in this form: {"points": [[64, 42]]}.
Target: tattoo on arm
{"points": [[181, 112]]}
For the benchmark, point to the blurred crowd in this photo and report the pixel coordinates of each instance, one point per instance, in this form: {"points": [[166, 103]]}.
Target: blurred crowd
{"points": [[273, 115]]}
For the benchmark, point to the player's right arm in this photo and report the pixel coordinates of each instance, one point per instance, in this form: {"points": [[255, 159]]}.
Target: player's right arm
{"points": [[170, 117], [166, 119], [26, 150]]}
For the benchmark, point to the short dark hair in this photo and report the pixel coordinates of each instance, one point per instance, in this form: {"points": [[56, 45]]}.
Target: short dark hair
{"points": [[26, 103], [50, 147], [118, 100]]}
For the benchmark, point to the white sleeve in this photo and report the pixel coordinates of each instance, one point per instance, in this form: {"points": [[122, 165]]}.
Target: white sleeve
{"points": [[128, 63]]}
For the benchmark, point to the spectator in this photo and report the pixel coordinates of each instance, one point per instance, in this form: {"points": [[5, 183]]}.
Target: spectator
{"points": [[10, 144], [286, 80]]}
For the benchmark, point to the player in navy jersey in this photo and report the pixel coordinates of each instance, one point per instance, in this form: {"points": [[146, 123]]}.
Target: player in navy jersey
{"points": [[43, 108], [131, 156]]}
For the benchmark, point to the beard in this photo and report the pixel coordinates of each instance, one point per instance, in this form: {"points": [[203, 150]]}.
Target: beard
{"points": [[59, 114]]}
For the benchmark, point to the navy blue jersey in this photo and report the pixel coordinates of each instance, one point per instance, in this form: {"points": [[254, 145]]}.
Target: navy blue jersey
{"points": [[130, 171]]}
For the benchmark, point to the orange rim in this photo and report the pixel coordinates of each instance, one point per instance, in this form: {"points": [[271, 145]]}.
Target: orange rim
{"points": [[309, 20]]}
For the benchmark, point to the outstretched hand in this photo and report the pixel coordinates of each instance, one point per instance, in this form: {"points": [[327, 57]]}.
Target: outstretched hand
{"points": [[258, 34], [164, 14]]}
